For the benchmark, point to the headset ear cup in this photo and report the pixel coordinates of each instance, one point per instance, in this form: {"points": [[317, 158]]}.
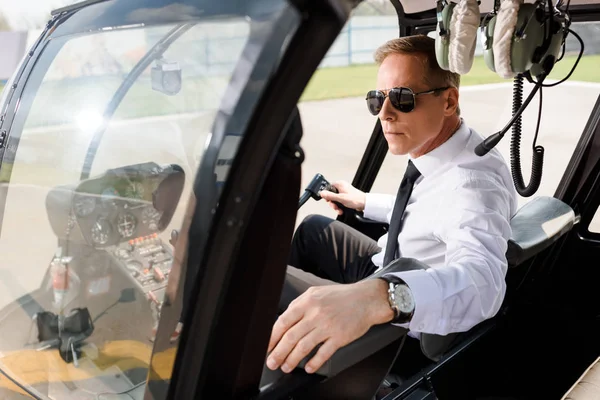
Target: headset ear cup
{"points": [[487, 36], [524, 49], [545, 64], [442, 40], [504, 31], [463, 36]]}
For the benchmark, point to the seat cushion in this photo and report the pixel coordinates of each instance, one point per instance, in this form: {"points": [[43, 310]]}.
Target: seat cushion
{"points": [[587, 386], [537, 225]]}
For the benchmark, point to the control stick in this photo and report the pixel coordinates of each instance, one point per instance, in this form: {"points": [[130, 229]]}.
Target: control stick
{"points": [[317, 184]]}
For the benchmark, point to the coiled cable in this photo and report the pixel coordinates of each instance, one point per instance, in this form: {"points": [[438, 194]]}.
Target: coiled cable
{"points": [[515, 145]]}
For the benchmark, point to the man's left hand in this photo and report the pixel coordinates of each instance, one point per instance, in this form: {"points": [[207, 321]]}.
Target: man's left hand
{"points": [[333, 316]]}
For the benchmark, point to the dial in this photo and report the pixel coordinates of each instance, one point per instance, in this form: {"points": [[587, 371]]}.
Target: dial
{"points": [[101, 231], [135, 190], [404, 299], [126, 224], [150, 217], [84, 205]]}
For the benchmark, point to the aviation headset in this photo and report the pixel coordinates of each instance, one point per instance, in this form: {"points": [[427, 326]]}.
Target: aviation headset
{"points": [[520, 40], [520, 37]]}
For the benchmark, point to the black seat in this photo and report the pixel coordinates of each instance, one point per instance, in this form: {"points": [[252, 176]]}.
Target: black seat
{"points": [[536, 226]]}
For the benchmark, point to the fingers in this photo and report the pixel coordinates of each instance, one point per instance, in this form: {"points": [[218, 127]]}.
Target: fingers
{"points": [[330, 196], [301, 349], [324, 353], [284, 323], [287, 345], [341, 186], [297, 344]]}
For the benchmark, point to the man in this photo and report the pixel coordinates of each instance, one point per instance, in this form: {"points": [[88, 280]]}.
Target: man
{"points": [[456, 221]]}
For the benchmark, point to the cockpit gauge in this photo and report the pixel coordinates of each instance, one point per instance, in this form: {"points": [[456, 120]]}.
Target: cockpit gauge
{"points": [[150, 217], [101, 231], [135, 191], [84, 205], [126, 224]]}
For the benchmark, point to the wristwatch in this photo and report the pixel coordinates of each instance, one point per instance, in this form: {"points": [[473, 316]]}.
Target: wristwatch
{"points": [[401, 299]]}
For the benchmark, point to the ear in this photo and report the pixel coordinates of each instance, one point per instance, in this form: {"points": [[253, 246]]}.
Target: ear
{"points": [[451, 102]]}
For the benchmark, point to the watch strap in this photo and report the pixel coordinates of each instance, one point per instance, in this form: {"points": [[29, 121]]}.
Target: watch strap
{"points": [[389, 278]]}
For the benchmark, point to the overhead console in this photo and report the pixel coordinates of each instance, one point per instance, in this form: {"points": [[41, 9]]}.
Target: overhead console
{"points": [[122, 204]]}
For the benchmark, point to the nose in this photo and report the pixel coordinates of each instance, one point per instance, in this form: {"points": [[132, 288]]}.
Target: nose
{"points": [[388, 112]]}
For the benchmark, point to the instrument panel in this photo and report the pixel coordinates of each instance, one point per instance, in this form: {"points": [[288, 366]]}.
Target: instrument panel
{"points": [[112, 218], [117, 206], [147, 260]]}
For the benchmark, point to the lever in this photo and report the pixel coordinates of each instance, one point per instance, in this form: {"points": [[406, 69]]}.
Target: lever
{"points": [[312, 190]]}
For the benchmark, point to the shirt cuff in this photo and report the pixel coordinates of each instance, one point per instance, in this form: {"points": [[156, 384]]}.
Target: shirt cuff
{"points": [[428, 301], [378, 206]]}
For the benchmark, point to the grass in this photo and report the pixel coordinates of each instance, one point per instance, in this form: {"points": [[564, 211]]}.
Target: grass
{"points": [[326, 83], [356, 80]]}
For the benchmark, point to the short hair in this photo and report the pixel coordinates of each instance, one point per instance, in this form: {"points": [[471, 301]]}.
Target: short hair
{"points": [[424, 47]]}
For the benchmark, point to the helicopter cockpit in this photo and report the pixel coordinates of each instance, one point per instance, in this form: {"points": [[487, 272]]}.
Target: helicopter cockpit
{"points": [[151, 163]]}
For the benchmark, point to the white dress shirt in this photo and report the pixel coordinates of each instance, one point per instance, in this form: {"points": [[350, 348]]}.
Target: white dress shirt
{"points": [[457, 221]]}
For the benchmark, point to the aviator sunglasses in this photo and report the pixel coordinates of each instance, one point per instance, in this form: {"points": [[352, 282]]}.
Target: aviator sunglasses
{"points": [[402, 98]]}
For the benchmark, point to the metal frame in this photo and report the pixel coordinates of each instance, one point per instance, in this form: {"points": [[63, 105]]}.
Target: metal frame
{"points": [[321, 24]]}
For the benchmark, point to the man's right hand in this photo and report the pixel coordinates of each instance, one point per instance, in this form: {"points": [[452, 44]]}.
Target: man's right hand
{"points": [[348, 196]]}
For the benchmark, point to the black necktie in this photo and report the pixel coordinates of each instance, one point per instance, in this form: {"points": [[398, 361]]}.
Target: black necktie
{"points": [[406, 187]]}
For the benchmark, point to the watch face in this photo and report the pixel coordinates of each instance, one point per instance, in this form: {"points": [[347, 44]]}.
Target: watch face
{"points": [[404, 299]]}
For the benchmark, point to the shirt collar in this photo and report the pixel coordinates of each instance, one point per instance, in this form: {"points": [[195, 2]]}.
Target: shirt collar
{"points": [[438, 157]]}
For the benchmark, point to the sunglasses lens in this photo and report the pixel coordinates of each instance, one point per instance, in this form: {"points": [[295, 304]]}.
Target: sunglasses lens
{"points": [[402, 99], [375, 101]]}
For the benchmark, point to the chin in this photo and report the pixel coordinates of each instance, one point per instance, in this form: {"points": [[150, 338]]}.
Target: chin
{"points": [[398, 145], [397, 150]]}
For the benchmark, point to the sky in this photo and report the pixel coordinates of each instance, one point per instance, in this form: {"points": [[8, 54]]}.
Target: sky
{"points": [[28, 14]]}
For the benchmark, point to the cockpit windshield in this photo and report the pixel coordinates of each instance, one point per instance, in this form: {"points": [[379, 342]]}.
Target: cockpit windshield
{"points": [[112, 122]]}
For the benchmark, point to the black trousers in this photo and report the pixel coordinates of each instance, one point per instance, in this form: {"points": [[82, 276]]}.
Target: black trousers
{"points": [[325, 251], [332, 250]]}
